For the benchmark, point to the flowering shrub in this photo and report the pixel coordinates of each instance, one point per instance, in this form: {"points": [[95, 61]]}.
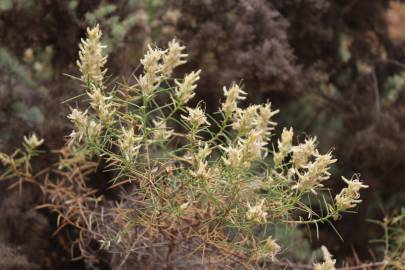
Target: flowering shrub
{"points": [[194, 190]]}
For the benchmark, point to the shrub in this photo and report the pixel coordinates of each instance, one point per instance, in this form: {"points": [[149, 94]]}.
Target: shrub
{"points": [[157, 182], [235, 41]]}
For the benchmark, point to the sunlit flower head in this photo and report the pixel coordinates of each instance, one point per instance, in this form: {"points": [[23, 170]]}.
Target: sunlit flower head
{"points": [[173, 58], [161, 132], [349, 196], [315, 173], [184, 90], [196, 117], [256, 213], [244, 120], [128, 143], [233, 95], [33, 142], [284, 146], [91, 59], [303, 151]]}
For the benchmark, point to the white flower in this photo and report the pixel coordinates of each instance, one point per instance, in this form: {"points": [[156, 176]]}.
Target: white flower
{"points": [[284, 146], [151, 60], [200, 163], [106, 113], [271, 248], [263, 121], [256, 213], [316, 172], [6, 159], [33, 142], [233, 156], [129, 143], [254, 145], [245, 151], [97, 98], [150, 80], [196, 117], [93, 130], [244, 120], [73, 137], [329, 263], [105, 244], [302, 152], [148, 83], [102, 105], [84, 126], [78, 118], [81, 122], [184, 90], [202, 170], [91, 59], [349, 196], [173, 58], [161, 132], [204, 150], [233, 95]]}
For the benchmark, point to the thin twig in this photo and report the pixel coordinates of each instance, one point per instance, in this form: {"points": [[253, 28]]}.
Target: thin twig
{"points": [[376, 92]]}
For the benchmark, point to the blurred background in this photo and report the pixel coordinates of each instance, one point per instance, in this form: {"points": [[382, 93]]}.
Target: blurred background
{"points": [[334, 68]]}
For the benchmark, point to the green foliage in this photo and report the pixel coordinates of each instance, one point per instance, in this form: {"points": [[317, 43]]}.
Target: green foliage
{"points": [[31, 115], [12, 65], [6, 5], [394, 86]]}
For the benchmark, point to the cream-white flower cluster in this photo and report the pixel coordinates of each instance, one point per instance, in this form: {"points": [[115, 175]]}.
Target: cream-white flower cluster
{"points": [[284, 146], [196, 117], [151, 78], [84, 127], [6, 159], [244, 119], [256, 213], [173, 58], [129, 143], [103, 105], [161, 132], [33, 142], [267, 250], [349, 196], [91, 64], [233, 95], [253, 126], [201, 168], [254, 117], [309, 168], [263, 121], [302, 152], [315, 172], [271, 248], [245, 150], [159, 64], [184, 90], [91, 59]]}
